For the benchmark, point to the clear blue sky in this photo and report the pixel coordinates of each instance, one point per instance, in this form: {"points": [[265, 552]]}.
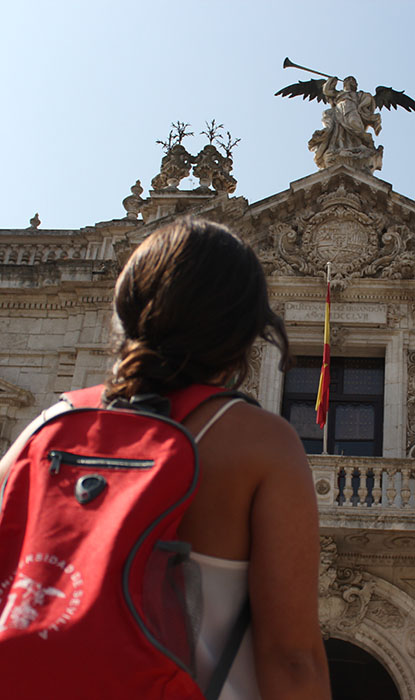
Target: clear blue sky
{"points": [[88, 86]]}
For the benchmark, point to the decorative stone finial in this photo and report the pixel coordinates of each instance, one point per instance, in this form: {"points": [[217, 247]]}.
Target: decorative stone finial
{"points": [[35, 221], [132, 204], [175, 165], [211, 167], [177, 162]]}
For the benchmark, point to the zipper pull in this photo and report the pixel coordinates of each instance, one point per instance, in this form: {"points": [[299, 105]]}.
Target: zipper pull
{"points": [[56, 459]]}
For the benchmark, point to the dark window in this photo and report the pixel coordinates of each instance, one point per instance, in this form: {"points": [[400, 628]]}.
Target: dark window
{"points": [[355, 418]]}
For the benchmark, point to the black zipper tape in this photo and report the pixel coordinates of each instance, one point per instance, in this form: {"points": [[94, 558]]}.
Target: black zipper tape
{"points": [[58, 457]]}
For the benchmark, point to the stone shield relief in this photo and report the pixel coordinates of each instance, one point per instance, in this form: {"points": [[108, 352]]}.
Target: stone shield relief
{"points": [[357, 242]]}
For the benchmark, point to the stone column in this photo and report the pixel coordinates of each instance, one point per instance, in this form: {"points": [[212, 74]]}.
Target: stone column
{"points": [[271, 380], [394, 422]]}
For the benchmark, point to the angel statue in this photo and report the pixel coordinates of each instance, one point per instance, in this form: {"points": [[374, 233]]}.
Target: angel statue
{"points": [[344, 138]]}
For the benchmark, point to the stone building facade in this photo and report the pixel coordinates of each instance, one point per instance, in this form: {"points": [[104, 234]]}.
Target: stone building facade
{"points": [[55, 309]]}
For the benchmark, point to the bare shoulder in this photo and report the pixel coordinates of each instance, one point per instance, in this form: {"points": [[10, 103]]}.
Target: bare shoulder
{"points": [[260, 429], [257, 439], [271, 428]]}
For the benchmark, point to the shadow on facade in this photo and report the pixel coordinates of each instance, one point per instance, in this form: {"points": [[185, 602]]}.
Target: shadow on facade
{"points": [[356, 675]]}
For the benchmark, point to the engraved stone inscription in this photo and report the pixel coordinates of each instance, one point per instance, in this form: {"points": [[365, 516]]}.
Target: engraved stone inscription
{"points": [[367, 314]]}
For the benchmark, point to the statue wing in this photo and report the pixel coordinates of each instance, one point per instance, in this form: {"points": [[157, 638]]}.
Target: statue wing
{"points": [[387, 97], [313, 89]]}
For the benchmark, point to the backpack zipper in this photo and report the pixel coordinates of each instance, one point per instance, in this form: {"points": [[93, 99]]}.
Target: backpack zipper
{"points": [[57, 457]]}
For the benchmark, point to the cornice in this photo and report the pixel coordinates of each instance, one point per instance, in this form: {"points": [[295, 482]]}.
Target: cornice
{"points": [[31, 235], [381, 558], [36, 235], [318, 295], [104, 300], [311, 186], [335, 517]]}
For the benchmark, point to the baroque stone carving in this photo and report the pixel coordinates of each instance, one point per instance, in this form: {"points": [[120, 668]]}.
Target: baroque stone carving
{"points": [[344, 138], [410, 642], [322, 487], [410, 432], [338, 336], [344, 594], [277, 306], [175, 165], [360, 540], [356, 242], [384, 613], [251, 382], [395, 315], [212, 168], [400, 542]]}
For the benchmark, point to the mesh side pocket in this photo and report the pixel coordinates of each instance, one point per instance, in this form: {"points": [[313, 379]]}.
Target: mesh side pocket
{"points": [[172, 600]]}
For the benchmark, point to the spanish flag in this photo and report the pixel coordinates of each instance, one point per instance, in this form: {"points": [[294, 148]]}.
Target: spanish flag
{"points": [[322, 403]]}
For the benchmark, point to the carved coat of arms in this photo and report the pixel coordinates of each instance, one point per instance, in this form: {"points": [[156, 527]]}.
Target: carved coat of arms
{"points": [[358, 240]]}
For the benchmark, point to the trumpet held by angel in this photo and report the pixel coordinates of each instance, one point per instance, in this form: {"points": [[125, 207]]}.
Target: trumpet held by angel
{"points": [[345, 138]]}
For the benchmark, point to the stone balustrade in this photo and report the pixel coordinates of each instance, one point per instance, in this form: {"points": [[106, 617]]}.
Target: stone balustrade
{"points": [[25, 247], [31, 254], [375, 483]]}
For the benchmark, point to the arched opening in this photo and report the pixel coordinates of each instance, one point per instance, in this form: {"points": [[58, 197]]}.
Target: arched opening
{"points": [[356, 675]]}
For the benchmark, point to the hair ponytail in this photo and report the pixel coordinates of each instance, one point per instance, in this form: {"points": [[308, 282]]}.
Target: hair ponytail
{"points": [[188, 306]]}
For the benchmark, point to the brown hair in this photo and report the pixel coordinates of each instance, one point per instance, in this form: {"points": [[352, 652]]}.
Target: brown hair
{"points": [[188, 306]]}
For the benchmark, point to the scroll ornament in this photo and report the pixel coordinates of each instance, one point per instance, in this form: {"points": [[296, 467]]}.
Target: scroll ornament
{"points": [[344, 594], [355, 242]]}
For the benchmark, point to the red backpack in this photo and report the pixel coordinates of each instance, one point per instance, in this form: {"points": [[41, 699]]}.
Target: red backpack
{"points": [[92, 576]]}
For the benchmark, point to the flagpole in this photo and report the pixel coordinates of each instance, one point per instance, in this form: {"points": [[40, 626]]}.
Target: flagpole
{"points": [[326, 424]]}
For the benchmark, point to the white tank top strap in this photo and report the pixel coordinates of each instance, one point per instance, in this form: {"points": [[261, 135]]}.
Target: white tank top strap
{"points": [[215, 418]]}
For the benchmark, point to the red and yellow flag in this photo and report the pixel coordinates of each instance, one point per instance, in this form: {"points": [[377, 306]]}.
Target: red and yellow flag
{"points": [[322, 403]]}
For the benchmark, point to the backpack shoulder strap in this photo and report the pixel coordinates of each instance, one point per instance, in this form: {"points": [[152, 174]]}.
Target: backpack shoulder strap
{"points": [[84, 398], [223, 409], [184, 401]]}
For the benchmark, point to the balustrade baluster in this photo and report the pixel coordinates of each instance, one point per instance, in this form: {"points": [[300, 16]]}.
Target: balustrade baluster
{"points": [[391, 490], [405, 489], [362, 490], [348, 489], [371, 483], [11, 254], [377, 485], [337, 493], [38, 254], [24, 254]]}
